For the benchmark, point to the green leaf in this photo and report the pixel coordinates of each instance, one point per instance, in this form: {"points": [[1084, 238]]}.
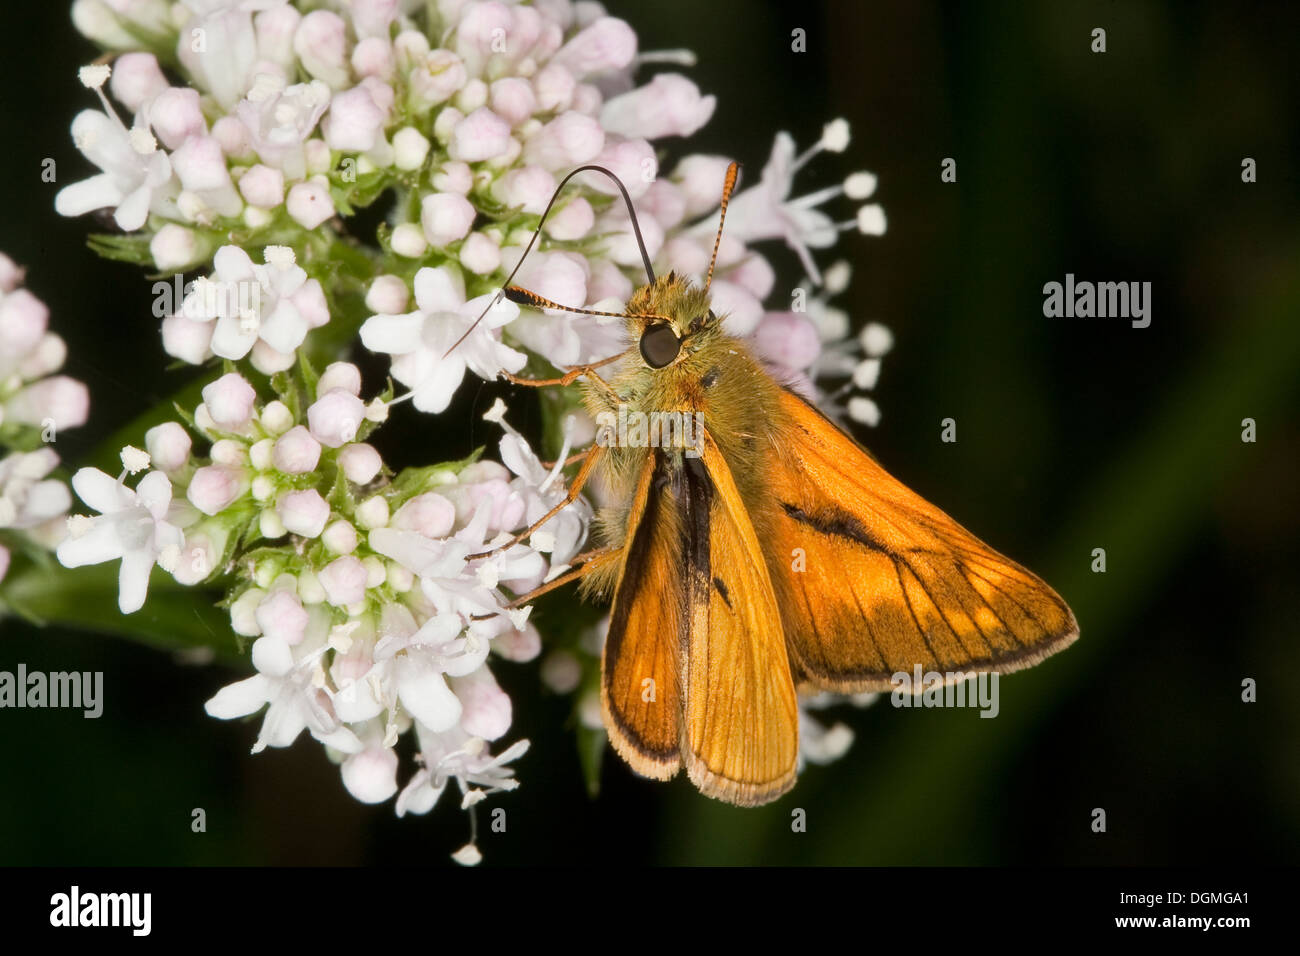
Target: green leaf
{"points": [[174, 618]]}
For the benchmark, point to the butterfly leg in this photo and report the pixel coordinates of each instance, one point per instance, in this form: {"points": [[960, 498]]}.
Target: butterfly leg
{"points": [[586, 562], [569, 377], [590, 458]]}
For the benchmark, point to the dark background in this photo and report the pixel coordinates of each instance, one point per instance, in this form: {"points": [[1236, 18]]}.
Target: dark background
{"points": [[1073, 435]]}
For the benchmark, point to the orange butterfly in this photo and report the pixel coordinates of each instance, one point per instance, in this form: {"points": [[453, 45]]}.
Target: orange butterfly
{"points": [[761, 552]]}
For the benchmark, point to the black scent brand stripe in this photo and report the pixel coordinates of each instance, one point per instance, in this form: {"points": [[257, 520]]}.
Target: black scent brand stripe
{"points": [[722, 590], [697, 502], [838, 524]]}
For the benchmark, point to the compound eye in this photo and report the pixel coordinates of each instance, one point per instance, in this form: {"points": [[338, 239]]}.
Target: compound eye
{"points": [[660, 345]]}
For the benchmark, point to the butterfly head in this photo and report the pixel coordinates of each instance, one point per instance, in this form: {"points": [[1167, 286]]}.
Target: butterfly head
{"points": [[669, 318]]}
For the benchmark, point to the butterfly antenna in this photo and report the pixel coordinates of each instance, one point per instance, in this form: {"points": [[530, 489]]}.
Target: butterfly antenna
{"points": [[636, 228], [728, 185]]}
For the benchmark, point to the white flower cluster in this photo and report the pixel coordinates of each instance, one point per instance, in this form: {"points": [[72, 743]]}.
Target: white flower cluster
{"points": [[375, 619], [254, 130], [35, 405]]}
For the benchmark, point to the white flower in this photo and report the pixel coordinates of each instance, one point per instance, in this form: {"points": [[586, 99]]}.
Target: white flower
{"points": [[131, 526], [420, 340], [279, 120], [765, 211], [266, 309], [218, 46], [286, 679], [136, 175], [455, 755], [27, 497]]}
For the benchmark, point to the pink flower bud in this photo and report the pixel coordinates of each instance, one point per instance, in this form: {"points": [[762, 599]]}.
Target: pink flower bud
{"points": [[558, 276], [506, 508], [446, 217], [344, 581], [296, 452], [263, 186], [436, 78], [430, 514], [486, 709], [632, 161], [570, 139], [232, 134], [342, 375], [23, 321], [321, 45], [60, 399], [387, 295], [214, 487], [335, 417], [607, 44], [471, 96], [787, 339], [553, 86], [513, 99], [530, 187], [371, 775], [410, 148], [755, 274], [700, 178], [340, 537], [743, 311], [276, 28], [186, 339], [665, 202], [479, 254], [669, 105], [355, 121], [174, 247], [136, 79], [168, 445], [621, 241], [175, 115], [371, 18], [309, 203], [607, 281], [281, 616], [200, 164], [303, 512], [454, 177], [571, 221], [480, 135], [46, 359], [230, 401], [586, 99], [373, 56], [360, 463]]}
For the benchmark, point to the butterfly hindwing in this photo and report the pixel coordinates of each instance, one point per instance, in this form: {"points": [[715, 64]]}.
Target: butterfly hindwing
{"points": [[741, 732], [640, 671]]}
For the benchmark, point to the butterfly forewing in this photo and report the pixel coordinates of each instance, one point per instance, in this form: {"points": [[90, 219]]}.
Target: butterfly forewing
{"points": [[872, 579]]}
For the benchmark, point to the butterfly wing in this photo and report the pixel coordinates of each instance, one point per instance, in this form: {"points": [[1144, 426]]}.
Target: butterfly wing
{"points": [[741, 736], [641, 695], [872, 579]]}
